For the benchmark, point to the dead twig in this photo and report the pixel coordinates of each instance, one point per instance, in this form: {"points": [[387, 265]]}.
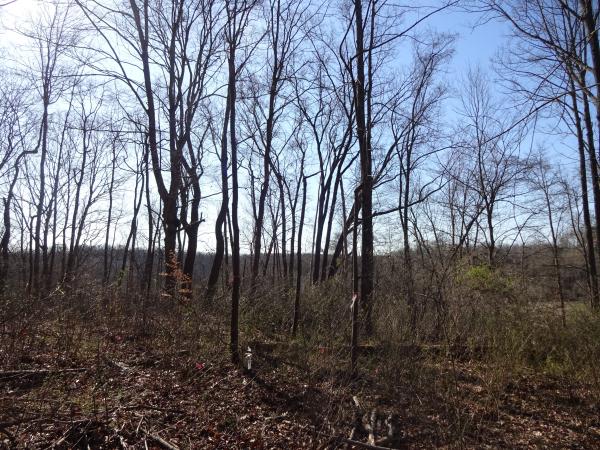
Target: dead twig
{"points": [[350, 442], [14, 422], [161, 441], [151, 408], [85, 422], [27, 372], [361, 444]]}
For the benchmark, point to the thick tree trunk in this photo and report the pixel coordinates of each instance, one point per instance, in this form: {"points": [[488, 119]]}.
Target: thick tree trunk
{"points": [[168, 197], [593, 273], [366, 294], [591, 150], [341, 243], [192, 234], [590, 20], [235, 237]]}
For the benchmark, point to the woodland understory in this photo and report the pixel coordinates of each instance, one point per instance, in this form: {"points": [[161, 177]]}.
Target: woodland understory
{"points": [[299, 224], [94, 368]]}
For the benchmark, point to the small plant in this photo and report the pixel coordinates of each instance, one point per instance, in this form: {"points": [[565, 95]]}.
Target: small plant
{"points": [[182, 282], [485, 279]]}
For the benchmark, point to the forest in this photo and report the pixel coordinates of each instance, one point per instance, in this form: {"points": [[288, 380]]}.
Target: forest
{"points": [[329, 224]]}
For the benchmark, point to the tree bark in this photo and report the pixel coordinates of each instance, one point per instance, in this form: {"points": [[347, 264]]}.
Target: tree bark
{"points": [[296, 318], [593, 273], [366, 294]]}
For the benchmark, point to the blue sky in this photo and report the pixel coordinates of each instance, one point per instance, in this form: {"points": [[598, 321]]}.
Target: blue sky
{"points": [[476, 43]]}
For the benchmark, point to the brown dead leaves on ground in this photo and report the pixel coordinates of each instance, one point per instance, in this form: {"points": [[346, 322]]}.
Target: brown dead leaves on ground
{"points": [[131, 394]]}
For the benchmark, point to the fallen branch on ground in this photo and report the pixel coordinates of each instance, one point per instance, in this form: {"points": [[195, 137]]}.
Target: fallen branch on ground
{"points": [[151, 408], [14, 422], [161, 441], [351, 442], [25, 372], [361, 444]]}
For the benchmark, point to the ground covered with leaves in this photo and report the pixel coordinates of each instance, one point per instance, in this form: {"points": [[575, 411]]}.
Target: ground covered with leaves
{"points": [[79, 383]]}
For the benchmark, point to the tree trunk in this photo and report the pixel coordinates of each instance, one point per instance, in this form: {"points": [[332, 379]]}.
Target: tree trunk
{"points": [[106, 267], [299, 261], [213, 278], [593, 273], [34, 283], [366, 294], [235, 237], [283, 226], [149, 262], [4, 250]]}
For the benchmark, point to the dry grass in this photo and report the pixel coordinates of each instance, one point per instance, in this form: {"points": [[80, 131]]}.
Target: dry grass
{"points": [[502, 372]]}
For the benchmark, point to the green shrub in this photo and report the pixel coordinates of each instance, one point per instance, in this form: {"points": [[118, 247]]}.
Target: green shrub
{"points": [[482, 279]]}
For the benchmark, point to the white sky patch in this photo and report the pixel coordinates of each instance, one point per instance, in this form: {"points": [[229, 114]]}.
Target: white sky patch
{"points": [[17, 15]]}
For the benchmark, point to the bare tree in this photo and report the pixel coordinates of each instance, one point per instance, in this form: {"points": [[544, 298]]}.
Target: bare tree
{"points": [[15, 135], [284, 19], [52, 36], [176, 39], [550, 187], [497, 159], [238, 17]]}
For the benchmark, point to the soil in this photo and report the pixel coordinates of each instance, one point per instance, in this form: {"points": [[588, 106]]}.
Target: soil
{"points": [[129, 392]]}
